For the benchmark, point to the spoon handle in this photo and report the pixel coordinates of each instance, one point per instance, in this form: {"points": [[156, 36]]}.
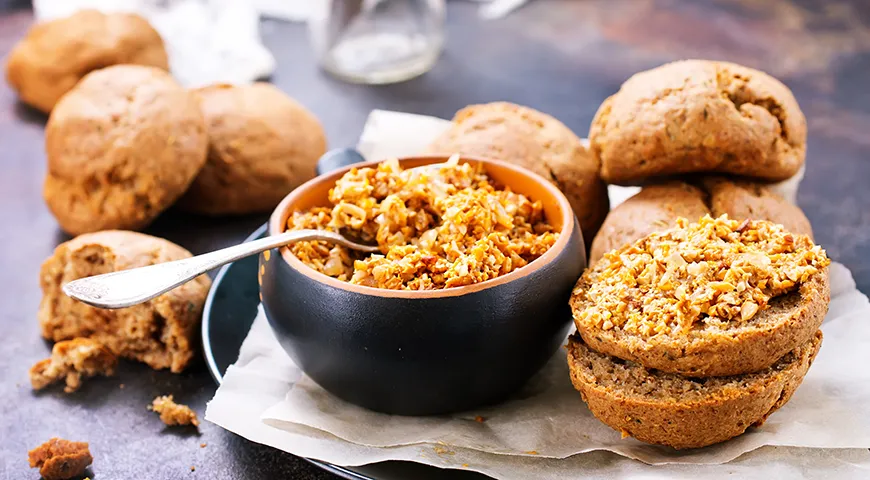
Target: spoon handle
{"points": [[138, 285]]}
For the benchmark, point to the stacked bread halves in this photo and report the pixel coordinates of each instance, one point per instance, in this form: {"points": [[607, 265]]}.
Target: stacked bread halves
{"points": [[699, 315]]}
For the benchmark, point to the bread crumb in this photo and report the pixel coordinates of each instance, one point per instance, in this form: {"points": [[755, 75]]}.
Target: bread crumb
{"points": [[172, 413], [464, 465], [479, 419], [531, 452], [71, 360], [202, 445], [192, 468], [442, 451], [59, 459]]}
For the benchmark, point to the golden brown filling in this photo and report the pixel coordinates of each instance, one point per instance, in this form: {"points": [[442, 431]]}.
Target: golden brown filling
{"points": [[440, 226], [716, 270]]}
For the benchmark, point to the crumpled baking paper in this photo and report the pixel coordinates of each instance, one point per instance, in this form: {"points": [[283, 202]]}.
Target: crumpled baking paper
{"points": [[546, 431]]}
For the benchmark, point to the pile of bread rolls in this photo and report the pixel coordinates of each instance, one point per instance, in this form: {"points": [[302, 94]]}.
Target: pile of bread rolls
{"points": [[702, 137], [125, 141], [699, 138]]}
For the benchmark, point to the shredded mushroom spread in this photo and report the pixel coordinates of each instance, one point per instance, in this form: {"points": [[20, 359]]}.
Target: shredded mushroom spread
{"points": [[714, 271], [441, 226]]}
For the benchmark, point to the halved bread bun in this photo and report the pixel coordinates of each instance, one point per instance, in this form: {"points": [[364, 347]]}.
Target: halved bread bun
{"points": [[711, 350], [712, 298], [682, 412]]}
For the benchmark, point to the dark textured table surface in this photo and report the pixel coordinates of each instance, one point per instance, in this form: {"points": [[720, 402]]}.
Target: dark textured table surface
{"points": [[562, 57]]}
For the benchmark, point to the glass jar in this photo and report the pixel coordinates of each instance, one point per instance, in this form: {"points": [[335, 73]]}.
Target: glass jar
{"points": [[377, 41]]}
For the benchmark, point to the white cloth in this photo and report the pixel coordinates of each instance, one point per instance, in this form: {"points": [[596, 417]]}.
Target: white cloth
{"points": [[300, 10], [212, 41], [207, 42]]}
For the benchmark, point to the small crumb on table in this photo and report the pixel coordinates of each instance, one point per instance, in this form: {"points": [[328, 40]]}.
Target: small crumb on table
{"points": [[479, 419], [202, 445], [59, 459], [172, 413], [532, 452], [71, 360], [192, 468], [442, 450]]}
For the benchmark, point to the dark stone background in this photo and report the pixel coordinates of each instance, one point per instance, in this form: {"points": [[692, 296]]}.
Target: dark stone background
{"points": [[562, 57]]}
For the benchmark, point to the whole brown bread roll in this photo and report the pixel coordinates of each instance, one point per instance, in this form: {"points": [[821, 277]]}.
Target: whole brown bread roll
{"points": [[122, 146], [54, 55], [699, 116], [262, 145], [538, 142]]}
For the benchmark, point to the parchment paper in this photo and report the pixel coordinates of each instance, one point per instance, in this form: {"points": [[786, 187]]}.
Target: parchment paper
{"points": [[546, 431]]}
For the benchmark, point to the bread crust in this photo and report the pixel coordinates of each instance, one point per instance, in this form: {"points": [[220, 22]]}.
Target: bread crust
{"points": [[538, 142], [262, 145], [689, 421], [656, 208], [161, 332], [54, 55], [743, 199], [699, 116], [122, 146], [750, 347]]}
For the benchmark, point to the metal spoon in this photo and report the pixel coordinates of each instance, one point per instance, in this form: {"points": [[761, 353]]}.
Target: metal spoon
{"points": [[138, 285]]}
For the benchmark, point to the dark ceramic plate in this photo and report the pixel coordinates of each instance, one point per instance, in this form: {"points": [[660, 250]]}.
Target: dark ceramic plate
{"points": [[229, 312]]}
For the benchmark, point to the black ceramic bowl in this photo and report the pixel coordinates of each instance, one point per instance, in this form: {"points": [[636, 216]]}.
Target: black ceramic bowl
{"points": [[424, 352]]}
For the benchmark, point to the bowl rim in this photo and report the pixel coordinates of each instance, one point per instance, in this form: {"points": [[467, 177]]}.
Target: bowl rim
{"points": [[278, 219]]}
